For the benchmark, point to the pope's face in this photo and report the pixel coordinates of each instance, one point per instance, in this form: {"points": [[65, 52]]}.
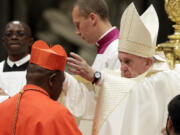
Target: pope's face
{"points": [[131, 65], [84, 27], [17, 38]]}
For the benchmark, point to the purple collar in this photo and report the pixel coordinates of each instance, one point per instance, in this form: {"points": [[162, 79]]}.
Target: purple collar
{"points": [[106, 40]]}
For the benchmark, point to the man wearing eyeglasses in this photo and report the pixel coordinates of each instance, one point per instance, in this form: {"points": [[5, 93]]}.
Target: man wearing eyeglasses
{"points": [[17, 40]]}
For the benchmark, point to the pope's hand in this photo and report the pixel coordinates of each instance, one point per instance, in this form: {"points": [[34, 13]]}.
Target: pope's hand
{"points": [[80, 67]]}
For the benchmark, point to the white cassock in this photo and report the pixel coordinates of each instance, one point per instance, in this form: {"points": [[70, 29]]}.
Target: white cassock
{"points": [[12, 81], [136, 106], [78, 95]]}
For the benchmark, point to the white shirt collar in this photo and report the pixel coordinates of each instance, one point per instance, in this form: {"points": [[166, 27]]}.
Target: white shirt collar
{"points": [[19, 62], [105, 34]]}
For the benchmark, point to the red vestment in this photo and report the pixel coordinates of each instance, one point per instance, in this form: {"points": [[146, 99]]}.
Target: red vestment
{"points": [[38, 115]]}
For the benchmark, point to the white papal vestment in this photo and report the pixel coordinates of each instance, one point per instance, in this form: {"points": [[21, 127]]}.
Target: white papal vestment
{"points": [[135, 106]]}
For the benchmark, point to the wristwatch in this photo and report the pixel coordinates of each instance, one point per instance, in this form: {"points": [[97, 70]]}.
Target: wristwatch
{"points": [[97, 76]]}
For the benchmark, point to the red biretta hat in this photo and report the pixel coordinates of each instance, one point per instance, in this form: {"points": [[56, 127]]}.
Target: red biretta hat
{"points": [[52, 58]]}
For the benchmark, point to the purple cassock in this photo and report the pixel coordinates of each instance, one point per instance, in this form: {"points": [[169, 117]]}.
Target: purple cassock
{"points": [[107, 48], [106, 40]]}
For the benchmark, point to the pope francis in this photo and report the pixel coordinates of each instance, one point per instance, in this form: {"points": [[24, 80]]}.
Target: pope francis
{"points": [[134, 101]]}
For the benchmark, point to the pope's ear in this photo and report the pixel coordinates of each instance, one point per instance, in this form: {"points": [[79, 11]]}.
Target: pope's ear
{"points": [[52, 79], [149, 63]]}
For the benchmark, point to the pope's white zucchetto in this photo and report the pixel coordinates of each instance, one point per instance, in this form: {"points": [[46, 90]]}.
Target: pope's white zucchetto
{"points": [[138, 34]]}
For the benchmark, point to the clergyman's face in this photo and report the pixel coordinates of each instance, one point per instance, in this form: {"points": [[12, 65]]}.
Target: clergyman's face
{"points": [[131, 65], [84, 27], [17, 38]]}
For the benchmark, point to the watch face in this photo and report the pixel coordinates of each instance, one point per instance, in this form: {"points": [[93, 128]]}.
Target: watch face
{"points": [[97, 74]]}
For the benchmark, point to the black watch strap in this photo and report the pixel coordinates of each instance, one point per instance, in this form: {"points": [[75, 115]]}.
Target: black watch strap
{"points": [[97, 76]]}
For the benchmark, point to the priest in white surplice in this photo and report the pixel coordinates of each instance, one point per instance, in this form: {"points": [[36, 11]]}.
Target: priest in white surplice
{"points": [[133, 101], [92, 24]]}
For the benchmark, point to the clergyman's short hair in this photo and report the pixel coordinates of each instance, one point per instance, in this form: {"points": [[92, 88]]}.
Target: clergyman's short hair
{"points": [[29, 32], [98, 7], [174, 113]]}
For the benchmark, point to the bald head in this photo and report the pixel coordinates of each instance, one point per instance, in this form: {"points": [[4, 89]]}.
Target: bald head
{"points": [[49, 80]]}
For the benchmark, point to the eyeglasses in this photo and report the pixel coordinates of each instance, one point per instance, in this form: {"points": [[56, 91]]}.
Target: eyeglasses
{"points": [[18, 34]]}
